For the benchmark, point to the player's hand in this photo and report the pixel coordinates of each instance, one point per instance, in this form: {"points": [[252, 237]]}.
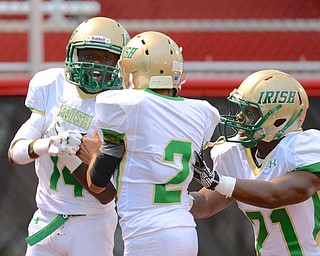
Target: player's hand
{"points": [[57, 126], [65, 143], [202, 173], [89, 148]]}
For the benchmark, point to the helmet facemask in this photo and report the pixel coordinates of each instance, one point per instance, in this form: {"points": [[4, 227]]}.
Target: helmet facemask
{"points": [[83, 75], [247, 129]]}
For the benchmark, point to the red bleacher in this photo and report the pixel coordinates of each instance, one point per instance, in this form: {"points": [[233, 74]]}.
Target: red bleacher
{"points": [[211, 9], [197, 46], [202, 45], [230, 45], [205, 88]]}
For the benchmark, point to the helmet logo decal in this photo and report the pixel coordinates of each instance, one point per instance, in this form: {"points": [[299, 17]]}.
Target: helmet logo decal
{"points": [[267, 97], [98, 39], [129, 52]]}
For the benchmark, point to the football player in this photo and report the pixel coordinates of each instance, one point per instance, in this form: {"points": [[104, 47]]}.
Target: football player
{"points": [[269, 165], [69, 219], [151, 133]]}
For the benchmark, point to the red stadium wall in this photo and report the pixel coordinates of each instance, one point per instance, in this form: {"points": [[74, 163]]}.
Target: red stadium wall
{"points": [[182, 9], [192, 88], [204, 44]]}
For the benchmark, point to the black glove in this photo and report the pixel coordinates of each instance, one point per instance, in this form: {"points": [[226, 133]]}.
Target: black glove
{"points": [[202, 173]]}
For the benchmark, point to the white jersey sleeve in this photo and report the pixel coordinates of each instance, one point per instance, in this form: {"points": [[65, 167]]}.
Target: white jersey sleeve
{"points": [[120, 108], [39, 90], [109, 107], [304, 151]]}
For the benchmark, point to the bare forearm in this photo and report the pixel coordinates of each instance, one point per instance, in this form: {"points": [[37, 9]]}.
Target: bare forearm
{"points": [[291, 188], [199, 209], [105, 196], [92, 187], [206, 203], [257, 193]]}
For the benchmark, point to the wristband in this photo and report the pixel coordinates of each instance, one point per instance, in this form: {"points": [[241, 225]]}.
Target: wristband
{"points": [[226, 185], [40, 146]]}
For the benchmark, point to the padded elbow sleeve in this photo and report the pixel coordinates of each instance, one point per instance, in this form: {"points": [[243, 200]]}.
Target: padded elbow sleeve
{"points": [[103, 169]]}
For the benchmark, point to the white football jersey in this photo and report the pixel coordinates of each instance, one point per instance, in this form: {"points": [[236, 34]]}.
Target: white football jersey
{"points": [[289, 230], [160, 135], [53, 96]]}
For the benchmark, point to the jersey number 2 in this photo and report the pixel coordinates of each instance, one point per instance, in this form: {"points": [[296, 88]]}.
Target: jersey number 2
{"points": [[161, 193]]}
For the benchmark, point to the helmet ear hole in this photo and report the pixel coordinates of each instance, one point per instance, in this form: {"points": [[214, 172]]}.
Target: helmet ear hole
{"points": [[279, 122]]}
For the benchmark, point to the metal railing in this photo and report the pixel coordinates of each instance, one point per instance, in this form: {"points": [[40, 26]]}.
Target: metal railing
{"points": [[64, 16], [55, 9], [35, 24]]}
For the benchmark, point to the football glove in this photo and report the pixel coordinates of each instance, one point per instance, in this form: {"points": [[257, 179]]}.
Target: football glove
{"points": [[203, 174], [65, 143]]}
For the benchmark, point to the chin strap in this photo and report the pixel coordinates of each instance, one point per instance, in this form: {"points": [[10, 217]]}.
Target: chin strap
{"points": [[173, 92]]}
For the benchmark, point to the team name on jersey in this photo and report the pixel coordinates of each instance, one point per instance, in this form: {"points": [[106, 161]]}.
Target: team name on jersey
{"points": [[129, 52], [75, 117], [277, 97]]}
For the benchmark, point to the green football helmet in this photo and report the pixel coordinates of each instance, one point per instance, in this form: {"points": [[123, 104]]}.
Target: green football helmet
{"points": [[267, 105], [95, 33]]}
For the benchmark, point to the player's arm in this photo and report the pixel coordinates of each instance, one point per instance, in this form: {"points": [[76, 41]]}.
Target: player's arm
{"points": [[104, 197], [102, 160], [21, 149], [79, 170], [207, 202], [291, 188], [28, 145]]}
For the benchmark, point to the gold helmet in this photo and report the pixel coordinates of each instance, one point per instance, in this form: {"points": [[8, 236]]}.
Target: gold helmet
{"points": [[280, 101], [95, 33], [152, 60]]}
